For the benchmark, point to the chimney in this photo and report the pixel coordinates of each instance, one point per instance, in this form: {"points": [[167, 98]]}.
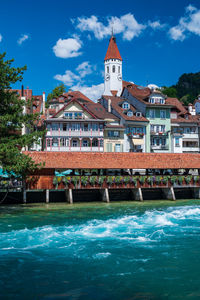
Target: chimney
{"points": [[22, 91], [109, 105], [43, 103], [190, 107]]}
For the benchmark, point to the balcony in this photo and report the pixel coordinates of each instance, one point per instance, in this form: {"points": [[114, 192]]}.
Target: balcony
{"points": [[77, 133], [190, 149], [75, 149], [159, 147], [158, 133]]}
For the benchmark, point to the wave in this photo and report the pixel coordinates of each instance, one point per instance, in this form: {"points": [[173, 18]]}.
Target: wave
{"points": [[147, 227]]}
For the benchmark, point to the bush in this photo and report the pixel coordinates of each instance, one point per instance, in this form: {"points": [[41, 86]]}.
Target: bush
{"points": [[196, 179], [180, 179], [188, 179], [173, 179], [84, 180], [93, 180], [75, 180], [150, 180], [158, 180], [118, 180], [134, 180], [142, 179], [55, 181], [110, 180], [126, 180], [101, 180], [165, 179], [66, 180]]}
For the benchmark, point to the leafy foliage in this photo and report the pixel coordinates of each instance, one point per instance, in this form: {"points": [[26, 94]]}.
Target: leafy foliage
{"points": [[12, 120], [59, 90]]}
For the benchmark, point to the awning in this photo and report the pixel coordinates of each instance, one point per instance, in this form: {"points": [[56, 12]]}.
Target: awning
{"points": [[138, 141]]}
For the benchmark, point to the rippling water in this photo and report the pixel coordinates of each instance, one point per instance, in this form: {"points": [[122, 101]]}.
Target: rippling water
{"points": [[123, 250]]}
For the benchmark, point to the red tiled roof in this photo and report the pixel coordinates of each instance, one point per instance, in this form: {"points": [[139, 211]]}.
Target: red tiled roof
{"points": [[113, 51], [176, 103], [114, 126], [115, 103], [78, 94], [94, 160], [99, 111], [190, 119]]}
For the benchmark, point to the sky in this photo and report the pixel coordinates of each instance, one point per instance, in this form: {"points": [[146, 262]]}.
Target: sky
{"points": [[66, 41]]}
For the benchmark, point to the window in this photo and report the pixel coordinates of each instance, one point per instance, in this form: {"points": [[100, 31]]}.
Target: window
{"points": [[187, 130], [152, 100], [48, 143], [113, 133], [113, 69], [101, 143], [55, 142], [85, 127], [64, 127], [157, 128], [162, 101], [74, 143], [119, 69], [78, 115], [101, 127], [95, 127], [129, 113], [162, 128], [125, 105], [85, 143], [54, 126], [163, 142], [138, 114], [68, 115], [48, 127], [117, 147], [163, 114], [107, 69], [152, 113], [62, 142], [95, 143], [177, 142], [109, 147]]}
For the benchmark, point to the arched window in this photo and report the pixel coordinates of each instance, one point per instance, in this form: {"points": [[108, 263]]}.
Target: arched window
{"points": [[119, 69], [95, 143], [107, 69], [113, 69]]}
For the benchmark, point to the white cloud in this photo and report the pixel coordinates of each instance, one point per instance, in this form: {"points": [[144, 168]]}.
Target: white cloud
{"points": [[1, 37], [67, 48], [93, 92], [156, 25], [176, 33], [190, 23], [69, 78], [84, 69], [22, 39], [126, 25]]}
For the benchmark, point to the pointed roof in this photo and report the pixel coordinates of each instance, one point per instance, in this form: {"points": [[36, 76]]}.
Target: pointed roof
{"points": [[113, 51]]}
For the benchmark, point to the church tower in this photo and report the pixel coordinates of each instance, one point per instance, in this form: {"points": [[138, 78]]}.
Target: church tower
{"points": [[112, 70]]}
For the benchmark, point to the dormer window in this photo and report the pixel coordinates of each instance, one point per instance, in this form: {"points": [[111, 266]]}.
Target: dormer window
{"points": [[125, 105], [130, 113], [152, 100], [138, 114], [162, 101], [186, 117]]}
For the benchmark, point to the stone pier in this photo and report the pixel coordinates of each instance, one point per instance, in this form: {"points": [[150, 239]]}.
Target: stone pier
{"points": [[69, 196], [105, 195]]}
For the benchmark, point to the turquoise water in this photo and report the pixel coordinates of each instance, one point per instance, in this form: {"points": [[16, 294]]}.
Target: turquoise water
{"points": [[120, 251]]}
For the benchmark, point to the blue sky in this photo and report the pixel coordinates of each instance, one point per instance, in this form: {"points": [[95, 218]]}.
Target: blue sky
{"points": [[66, 41]]}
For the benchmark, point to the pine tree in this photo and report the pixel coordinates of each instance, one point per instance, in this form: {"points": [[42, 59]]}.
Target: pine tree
{"points": [[12, 120]]}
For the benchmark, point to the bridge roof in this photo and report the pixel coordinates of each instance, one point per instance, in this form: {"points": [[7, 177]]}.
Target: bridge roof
{"points": [[108, 160]]}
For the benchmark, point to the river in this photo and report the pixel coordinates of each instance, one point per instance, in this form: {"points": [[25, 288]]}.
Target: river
{"points": [[121, 250]]}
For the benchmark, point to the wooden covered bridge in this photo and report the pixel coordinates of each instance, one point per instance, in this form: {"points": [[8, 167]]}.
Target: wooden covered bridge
{"points": [[107, 173]]}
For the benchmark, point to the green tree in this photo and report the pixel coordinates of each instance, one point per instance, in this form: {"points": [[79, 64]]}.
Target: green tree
{"points": [[59, 90], [12, 121], [170, 91], [188, 84]]}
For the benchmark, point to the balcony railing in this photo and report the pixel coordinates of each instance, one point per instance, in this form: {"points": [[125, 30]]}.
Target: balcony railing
{"points": [[159, 147], [74, 133], [75, 149]]}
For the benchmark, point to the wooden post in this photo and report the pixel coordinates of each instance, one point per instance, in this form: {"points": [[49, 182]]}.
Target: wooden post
{"points": [[24, 191], [105, 195], [137, 194], [69, 196], [47, 196], [196, 193], [169, 193]]}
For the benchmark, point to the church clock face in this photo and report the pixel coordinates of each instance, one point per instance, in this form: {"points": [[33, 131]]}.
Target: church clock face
{"points": [[119, 77], [107, 76]]}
